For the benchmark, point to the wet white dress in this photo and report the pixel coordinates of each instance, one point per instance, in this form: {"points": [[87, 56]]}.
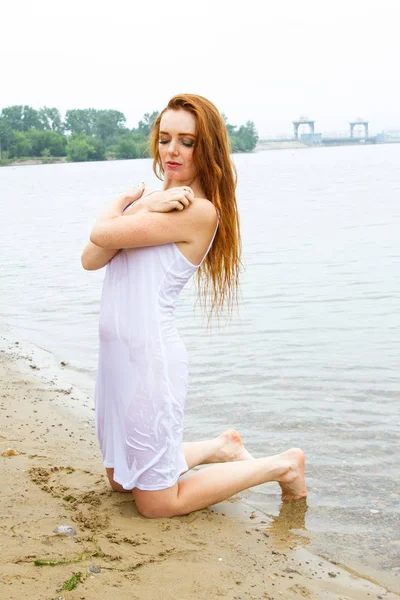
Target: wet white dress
{"points": [[143, 367]]}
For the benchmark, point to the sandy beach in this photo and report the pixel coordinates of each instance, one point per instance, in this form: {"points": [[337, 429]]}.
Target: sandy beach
{"points": [[53, 477]]}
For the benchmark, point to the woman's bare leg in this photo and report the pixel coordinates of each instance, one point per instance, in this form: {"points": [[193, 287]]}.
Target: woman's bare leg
{"points": [[116, 487], [226, 447], [219, 482]]}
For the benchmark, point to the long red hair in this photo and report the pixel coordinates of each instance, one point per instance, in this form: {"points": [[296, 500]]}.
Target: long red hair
{"points": [[218, 276]]}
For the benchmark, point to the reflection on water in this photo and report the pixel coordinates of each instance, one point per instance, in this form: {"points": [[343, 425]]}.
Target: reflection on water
{"points": [[292, 515], [312, 358], [288, 527]]}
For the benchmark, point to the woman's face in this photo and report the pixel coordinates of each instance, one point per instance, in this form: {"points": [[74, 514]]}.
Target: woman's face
{"points": [[176, 143]]}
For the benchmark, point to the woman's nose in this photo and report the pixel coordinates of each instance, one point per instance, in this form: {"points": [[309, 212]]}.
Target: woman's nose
{"points": [[172, 147]]}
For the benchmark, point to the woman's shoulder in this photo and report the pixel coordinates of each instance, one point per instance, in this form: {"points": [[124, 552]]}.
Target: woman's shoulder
{"points": [[205, 210]]}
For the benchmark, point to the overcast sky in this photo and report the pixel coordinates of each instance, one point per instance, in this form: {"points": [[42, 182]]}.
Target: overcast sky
{"points": [[269, 61]]}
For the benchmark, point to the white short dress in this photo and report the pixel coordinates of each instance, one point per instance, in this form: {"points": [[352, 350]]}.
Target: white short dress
{"points": [[142, 372]]}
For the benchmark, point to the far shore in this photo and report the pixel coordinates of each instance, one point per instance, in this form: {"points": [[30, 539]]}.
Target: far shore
{"points": [[262, 146], [23, 162]]}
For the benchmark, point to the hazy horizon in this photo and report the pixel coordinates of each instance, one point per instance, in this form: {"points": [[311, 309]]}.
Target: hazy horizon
{"points": [[331, 62]]}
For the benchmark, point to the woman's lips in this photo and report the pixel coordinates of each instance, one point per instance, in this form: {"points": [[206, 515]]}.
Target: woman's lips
{"points": [[173, 165]]}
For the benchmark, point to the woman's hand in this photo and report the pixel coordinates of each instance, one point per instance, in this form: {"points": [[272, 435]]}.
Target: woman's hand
{"points": [[119, 204], [177, 198], [133, 194], [95, 257]]}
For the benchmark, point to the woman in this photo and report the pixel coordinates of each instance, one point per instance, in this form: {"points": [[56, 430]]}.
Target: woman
{"points": [[153, 243]]}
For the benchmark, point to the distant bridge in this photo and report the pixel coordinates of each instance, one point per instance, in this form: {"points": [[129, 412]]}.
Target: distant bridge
{"points": [[337, 139], [316, 138]]}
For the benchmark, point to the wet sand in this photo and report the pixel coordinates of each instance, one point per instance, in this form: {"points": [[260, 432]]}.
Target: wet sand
{"points": [[54, 477]]}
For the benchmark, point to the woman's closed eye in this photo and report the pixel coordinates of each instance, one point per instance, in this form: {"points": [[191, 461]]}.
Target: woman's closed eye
{"points": [[187, 143]]}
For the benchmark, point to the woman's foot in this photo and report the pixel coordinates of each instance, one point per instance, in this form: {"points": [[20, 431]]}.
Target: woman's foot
{"points": [[230, 448], [293, 483]]}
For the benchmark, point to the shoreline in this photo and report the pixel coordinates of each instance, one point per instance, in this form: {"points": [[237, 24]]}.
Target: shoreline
{"points": [[56, 478], [261, 146], [24, 162]]}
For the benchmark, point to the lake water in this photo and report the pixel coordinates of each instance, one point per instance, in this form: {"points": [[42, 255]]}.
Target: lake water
{"points": [[311, 358]]}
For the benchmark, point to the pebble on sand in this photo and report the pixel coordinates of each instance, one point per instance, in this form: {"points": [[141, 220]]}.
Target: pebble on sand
{"points": [[65, 530], [94, 569]]}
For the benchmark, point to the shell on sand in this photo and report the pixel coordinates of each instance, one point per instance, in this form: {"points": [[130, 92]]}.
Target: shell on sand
{"points": [[10, 452]]}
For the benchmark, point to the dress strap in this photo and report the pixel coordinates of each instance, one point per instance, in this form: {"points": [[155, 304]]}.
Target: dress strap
{"points": [[141, 198]]}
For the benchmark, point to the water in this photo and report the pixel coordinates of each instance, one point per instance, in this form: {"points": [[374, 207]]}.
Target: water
{"points": [[310, 360]]}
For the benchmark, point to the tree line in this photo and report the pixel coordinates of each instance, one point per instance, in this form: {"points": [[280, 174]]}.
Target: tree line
{"points": [[88, 134]]}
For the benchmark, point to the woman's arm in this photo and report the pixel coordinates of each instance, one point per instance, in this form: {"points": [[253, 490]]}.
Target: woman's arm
{"points": [[165, 217], [94, 257], [149, 228]]}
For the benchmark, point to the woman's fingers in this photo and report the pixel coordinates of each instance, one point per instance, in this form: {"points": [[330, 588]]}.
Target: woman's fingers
{"points": [[188, 192], [184, 200], [136, 191], [187, 195], [179, 198]]}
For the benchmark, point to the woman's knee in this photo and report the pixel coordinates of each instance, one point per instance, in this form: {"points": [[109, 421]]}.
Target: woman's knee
{"points": [[156, 505], [155, 512]]}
